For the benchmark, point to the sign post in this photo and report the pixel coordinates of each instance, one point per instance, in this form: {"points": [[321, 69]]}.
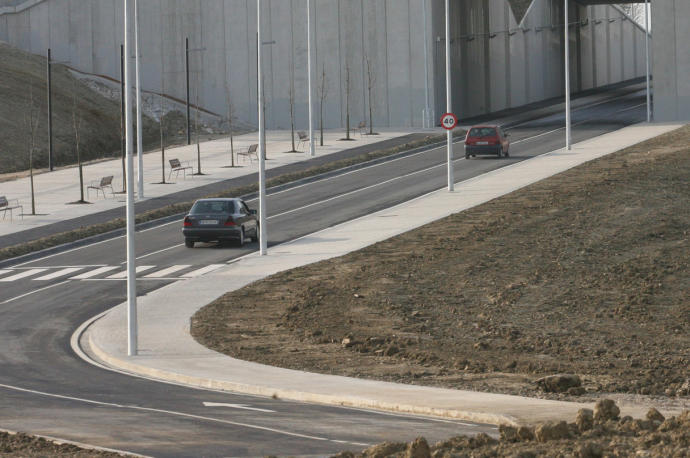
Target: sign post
{"points": [[449, 105]]}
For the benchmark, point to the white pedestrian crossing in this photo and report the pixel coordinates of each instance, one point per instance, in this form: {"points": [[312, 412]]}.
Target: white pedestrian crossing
{"points": [[22, 274], [94, 273], [106, 272], [123, 274], [60, 273], [167, 272], [203, 271]]}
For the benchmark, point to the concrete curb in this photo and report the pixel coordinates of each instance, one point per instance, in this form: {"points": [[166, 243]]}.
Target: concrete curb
{"points": [[293, 395]]}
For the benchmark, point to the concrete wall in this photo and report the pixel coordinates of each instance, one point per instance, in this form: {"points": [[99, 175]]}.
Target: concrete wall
{"points": [[500, 64], [497, 63], [670, 19]]}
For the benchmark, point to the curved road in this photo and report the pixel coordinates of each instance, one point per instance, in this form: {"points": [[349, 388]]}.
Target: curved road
{"points": [[46, 389]]}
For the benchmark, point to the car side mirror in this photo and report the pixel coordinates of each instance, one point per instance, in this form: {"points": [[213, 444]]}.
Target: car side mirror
{"points": [[253, 212]]}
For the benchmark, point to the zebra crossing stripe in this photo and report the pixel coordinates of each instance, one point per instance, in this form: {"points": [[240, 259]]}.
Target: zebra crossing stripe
{"points": [[203, 271], [123, 274], [59, 273], [95, 272], [168, 271], [24, 274], [3, 272]]}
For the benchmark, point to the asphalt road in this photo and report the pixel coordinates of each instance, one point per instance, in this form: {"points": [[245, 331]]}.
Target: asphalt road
{"points": [[46, 389]]}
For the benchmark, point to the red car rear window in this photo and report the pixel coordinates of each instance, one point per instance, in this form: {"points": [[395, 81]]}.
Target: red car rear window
{"points": [[482, 132]]}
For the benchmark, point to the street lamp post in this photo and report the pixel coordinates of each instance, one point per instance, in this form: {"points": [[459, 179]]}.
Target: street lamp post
{"points": [[312, 150], [568, 138], [132, 337], [262, 135], [449, 108], [646, 40], [426, 122], [186, 66], [50, 114], [140, 150]]}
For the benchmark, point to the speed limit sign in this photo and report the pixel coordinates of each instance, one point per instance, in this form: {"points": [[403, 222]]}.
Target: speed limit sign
{"points": [[449, 121]]}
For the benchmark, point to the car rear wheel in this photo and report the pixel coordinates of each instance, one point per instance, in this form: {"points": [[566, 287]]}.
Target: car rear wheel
{"points": [[240, 241], [189, 243]]}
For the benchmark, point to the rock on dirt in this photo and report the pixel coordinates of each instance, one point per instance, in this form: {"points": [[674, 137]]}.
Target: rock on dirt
{"points": [[559, 383]]}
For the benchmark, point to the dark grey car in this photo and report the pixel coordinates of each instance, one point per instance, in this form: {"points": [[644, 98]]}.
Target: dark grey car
{"points": [[220, 220]]}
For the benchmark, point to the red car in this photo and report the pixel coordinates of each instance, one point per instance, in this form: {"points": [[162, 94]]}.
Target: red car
{"points": [[486, 139]]}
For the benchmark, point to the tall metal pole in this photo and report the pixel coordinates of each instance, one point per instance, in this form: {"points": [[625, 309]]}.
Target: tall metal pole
{"points": [[312, 149], [449, 108], [131, 249], [186, 67], [567, 79], [50, 112], [262, 137], [123, 142], [646, 40], [427, 110], [140, 127]]}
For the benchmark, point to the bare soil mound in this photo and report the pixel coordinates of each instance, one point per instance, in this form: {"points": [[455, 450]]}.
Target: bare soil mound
{"points": [[589, 436], [585, 273], [24, 445]]}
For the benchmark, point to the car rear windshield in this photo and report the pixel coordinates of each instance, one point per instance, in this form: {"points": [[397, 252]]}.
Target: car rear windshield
{"points": [[482, 132], [213, 207]]}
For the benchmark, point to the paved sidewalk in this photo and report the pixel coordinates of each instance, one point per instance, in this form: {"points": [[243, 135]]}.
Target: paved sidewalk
{"points": [[167, 350]]}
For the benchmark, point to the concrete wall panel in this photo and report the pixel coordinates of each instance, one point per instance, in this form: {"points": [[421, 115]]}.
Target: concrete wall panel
{"points": [[496, 64]]}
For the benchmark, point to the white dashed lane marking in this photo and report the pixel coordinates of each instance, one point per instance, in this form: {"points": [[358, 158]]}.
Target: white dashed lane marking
{"points": [[123, 274], [167, 272], [23, 274], [59, 273], [203, 271], [94, 273]]}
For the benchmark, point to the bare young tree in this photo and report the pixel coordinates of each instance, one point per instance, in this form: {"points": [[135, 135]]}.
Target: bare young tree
{"points": [[323, 93], [231, 116], [371, 80], [76, 125], [348, 90], [32, 118]]}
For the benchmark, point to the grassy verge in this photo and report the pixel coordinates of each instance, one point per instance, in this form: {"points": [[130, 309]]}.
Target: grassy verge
{"points": [[175, 209]]}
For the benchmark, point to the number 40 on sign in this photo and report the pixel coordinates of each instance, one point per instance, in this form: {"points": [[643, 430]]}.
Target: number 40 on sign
{"points": [[449, 121]]}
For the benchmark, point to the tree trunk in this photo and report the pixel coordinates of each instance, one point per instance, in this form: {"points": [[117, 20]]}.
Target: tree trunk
{"points": [[371, 123]]}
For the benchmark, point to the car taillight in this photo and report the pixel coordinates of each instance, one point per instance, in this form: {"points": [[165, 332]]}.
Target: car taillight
{"points": [[469, 141], [187, 222], [230, 222]]}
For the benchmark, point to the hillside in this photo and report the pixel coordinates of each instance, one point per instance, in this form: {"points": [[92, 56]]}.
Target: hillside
{"points": [[23, 77]]}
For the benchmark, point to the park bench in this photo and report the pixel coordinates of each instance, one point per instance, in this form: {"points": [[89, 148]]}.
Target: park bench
{"points": [[177, 167], [101, 185], [362, 126], [303, 138], [250, 152], [9, 206]]}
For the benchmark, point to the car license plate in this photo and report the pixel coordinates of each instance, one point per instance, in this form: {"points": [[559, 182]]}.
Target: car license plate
{"points": [[482, 143], [208, 222]]}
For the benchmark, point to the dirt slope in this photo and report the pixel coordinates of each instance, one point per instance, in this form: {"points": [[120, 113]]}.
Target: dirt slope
{"points": [[23, 74], [584, 273]]}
